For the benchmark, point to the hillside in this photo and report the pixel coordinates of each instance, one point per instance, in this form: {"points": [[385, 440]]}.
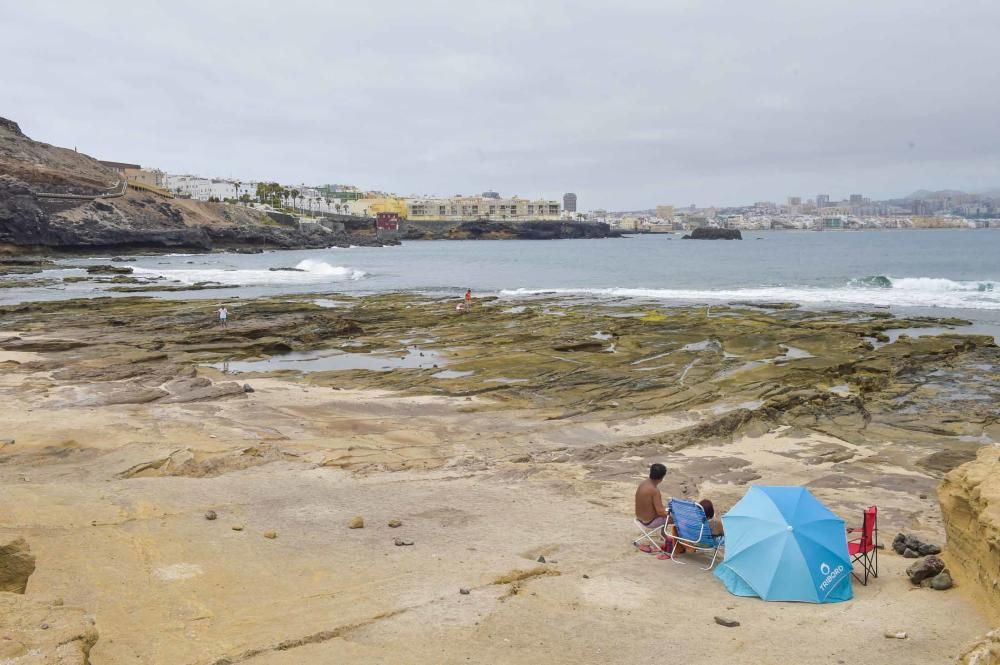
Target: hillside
{"points": [[32, 221]]}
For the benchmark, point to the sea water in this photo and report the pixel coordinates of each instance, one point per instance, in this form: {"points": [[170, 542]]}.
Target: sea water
{"points": [[933, 272]]}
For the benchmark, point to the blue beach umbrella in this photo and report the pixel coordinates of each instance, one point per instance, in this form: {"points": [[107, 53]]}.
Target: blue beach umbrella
{"points": [[783, 544]]}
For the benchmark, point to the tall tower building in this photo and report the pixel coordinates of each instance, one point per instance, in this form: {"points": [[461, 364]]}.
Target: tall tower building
{"points": [[794, 200], [569, 202], [822, 200]]}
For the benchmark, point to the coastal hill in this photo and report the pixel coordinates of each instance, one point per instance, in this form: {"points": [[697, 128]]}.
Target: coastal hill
{"points": [[53, 198]]}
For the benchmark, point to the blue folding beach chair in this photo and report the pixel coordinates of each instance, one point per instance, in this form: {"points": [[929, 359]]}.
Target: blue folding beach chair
{"points": [[693, 530]]}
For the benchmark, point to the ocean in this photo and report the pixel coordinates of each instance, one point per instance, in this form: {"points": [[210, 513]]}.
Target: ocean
{"points": [[933, 272]]}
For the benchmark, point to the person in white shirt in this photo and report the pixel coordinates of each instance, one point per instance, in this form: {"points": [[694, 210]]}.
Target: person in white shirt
{"points": [[223, 316]]}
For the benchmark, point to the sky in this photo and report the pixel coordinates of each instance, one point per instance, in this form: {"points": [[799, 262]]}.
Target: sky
{"points": [[628, 104]]}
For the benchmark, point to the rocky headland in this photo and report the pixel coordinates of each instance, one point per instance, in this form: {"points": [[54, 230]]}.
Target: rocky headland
{"points": [[379, 478], [494, 230], [58, 200]]}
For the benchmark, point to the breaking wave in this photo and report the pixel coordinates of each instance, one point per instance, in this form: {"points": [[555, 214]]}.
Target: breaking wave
{"points": [[308, 271], [877, 290], [922, 284]]}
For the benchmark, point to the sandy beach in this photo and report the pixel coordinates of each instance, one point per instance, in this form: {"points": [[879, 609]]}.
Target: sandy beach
{"points": [[127, 432]]}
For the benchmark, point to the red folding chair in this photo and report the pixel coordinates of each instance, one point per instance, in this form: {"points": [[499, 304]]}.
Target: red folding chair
{"points": [[864, 548]]}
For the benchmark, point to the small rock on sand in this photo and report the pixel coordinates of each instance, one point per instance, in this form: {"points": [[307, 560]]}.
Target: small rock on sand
{"points": [[727, 622], [400, 542], [247, 388], [237, 527], [942, 581], [395, 523], [895, 635], [6, 442], [357, 523], [270, 533], [465, 591], [210, 515], [540, 559]]}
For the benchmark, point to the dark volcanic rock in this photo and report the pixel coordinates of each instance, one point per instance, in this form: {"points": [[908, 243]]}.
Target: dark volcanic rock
{"points": [[708, 233], [903, 542], [926, 568], [109, 270], [494, 230]]}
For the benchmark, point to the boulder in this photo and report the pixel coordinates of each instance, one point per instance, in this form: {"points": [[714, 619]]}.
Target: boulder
{"points": [[903, 542], [357, 523], [16, 566], [35, 632], [926, 568], [942, 581]]}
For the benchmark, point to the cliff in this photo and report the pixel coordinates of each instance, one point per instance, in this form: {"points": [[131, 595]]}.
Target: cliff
{"points": [[970, 504], [32, 221]]}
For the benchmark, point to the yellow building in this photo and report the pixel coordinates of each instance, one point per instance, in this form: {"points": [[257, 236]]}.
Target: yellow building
{"points": [[369, 207]]}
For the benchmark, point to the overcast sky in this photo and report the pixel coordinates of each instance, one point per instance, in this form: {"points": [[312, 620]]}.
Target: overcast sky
{"points": [[629, 104]]}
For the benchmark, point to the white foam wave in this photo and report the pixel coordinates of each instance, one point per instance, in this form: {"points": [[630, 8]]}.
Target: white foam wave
{"points": [[940, 284], [913, 292], [308, 271]]}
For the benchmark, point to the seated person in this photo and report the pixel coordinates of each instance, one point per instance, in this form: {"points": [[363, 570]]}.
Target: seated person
{"points": [[649, 508], [714, 522]]}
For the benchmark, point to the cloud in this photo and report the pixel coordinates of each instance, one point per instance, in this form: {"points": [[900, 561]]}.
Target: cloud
{"points": [[628, 105]]}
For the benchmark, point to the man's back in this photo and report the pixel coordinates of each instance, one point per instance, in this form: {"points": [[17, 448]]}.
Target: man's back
{"points": [[647, 496]]}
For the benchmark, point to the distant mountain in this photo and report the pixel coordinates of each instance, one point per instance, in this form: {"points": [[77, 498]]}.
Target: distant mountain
{"points": [[940, 194]]}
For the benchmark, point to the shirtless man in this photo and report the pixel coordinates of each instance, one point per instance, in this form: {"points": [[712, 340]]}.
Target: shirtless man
{"points": [[649, 503]]}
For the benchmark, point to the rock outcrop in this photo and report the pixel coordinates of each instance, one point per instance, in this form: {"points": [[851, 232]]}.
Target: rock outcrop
{"points": [[16, 566], [985, 651], [709, 233], [493, 230], [970, 504], [50, 199], [44, 633]]}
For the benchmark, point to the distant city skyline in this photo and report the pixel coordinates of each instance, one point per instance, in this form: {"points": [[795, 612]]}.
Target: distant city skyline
{"points": [[628, 106]]}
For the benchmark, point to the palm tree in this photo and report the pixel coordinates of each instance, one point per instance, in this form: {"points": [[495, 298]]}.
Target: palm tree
{"points": [[295, 194]]}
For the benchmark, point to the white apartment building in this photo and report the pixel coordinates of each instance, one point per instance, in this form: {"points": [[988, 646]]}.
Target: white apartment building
{"points": [[203, 189]]}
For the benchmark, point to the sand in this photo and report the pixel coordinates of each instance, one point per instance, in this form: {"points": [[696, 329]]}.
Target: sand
{"points": [[166, 585]]}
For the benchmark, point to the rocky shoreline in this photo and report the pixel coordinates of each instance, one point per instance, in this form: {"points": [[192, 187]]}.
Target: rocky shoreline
{"points": [[131, 419]]}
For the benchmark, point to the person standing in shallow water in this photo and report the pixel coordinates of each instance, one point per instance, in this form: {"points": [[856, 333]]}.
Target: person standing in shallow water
{"points": [[223, 316]]}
